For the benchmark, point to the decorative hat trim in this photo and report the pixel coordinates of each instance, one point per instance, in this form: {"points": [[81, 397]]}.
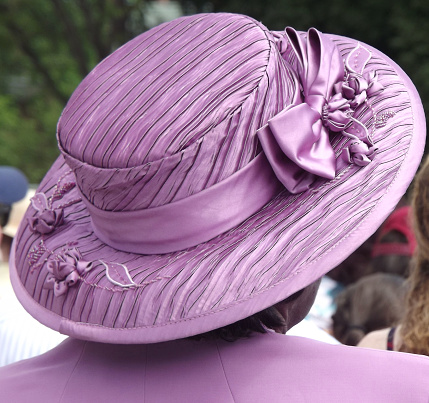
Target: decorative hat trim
{"points": [[188, 222], [286, 245], [296, 147], [67, 268], [48, 217], [296, 141]]}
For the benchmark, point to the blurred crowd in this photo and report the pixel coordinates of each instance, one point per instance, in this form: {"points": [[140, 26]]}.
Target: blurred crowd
{"points": [[21, 336], [377, 298]]}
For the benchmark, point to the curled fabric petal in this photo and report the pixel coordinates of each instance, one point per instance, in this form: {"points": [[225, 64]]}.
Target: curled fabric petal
{"points": [[65, 271], [118, 274], [296, 141], [357, 59], [40, 202], [359, 153]]}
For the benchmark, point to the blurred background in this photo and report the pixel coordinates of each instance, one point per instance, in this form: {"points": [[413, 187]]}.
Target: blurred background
{"points": [[48, 46]]}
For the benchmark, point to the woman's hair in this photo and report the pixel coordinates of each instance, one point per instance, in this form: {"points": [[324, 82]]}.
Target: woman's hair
{"points": [[4, 213], [260, 322], [374, 302], [269, 318], [415, 328]]}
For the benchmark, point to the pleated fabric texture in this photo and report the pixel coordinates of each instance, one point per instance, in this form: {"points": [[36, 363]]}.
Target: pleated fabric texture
{"points": [[171, 113]]}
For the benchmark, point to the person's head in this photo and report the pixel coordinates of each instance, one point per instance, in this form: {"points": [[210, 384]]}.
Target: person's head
{"points": [[415, 327], [17, 211], [211, 168], [280, 317], [13, 187], [395, 244], [374, 302], [355, 266]]}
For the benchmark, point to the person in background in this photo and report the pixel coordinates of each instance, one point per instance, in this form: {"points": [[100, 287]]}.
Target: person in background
{"points": [[372, 303], [13, 188], [21, 336], [395, 244], [350, 316], [412, 334]]}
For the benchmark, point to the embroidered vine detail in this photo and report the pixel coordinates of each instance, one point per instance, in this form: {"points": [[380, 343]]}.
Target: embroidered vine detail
{"points": [[35, 255], [65, 270], [118, 274], [357, 88], [61, 190], [381, 120]]}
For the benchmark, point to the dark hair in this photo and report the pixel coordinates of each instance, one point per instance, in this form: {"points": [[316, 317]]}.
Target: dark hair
{"points": [[374, 302], [4, 214], [260, 322], [269, 318]]}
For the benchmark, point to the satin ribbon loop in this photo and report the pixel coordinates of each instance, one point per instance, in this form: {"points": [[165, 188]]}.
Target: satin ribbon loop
{"points": [[296, 141]]}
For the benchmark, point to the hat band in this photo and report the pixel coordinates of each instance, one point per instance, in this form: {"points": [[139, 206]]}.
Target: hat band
{"points": [[190, 221], [296, 150]]}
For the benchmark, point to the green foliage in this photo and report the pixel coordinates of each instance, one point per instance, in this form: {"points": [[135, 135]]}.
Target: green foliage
{"points": [[48, 46], [24, 142]]}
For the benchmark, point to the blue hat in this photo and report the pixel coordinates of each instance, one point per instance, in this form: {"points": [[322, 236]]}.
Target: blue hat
{"points": [[13, 185]]}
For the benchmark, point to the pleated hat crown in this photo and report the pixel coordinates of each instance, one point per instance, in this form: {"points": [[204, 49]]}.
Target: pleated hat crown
{"points": [[176, 109]]}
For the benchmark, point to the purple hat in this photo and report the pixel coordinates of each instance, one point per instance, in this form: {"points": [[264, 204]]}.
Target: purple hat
{"points": [[210, 168]]}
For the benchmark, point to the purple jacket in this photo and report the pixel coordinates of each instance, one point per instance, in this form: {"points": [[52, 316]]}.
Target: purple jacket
{"points": [[265, 368]]}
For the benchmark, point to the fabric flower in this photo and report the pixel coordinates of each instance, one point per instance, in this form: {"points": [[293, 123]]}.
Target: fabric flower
{"points": [[45, 221], [65, 271], [46, 218], [359, 153], [358, 88], [374, 87], [335, 113]]}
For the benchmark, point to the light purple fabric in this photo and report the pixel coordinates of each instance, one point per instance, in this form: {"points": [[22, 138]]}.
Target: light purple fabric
{"points": [[265, 368], [173, 112], [296, 143], [297, 140], [46, 218], [298, 130], [191, 221]]}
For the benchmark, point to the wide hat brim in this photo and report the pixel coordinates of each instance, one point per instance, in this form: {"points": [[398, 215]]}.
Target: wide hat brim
{"points": [[292, 241]]}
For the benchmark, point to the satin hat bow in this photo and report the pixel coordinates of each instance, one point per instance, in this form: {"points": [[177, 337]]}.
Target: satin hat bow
{"points": [[296, 140]]}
